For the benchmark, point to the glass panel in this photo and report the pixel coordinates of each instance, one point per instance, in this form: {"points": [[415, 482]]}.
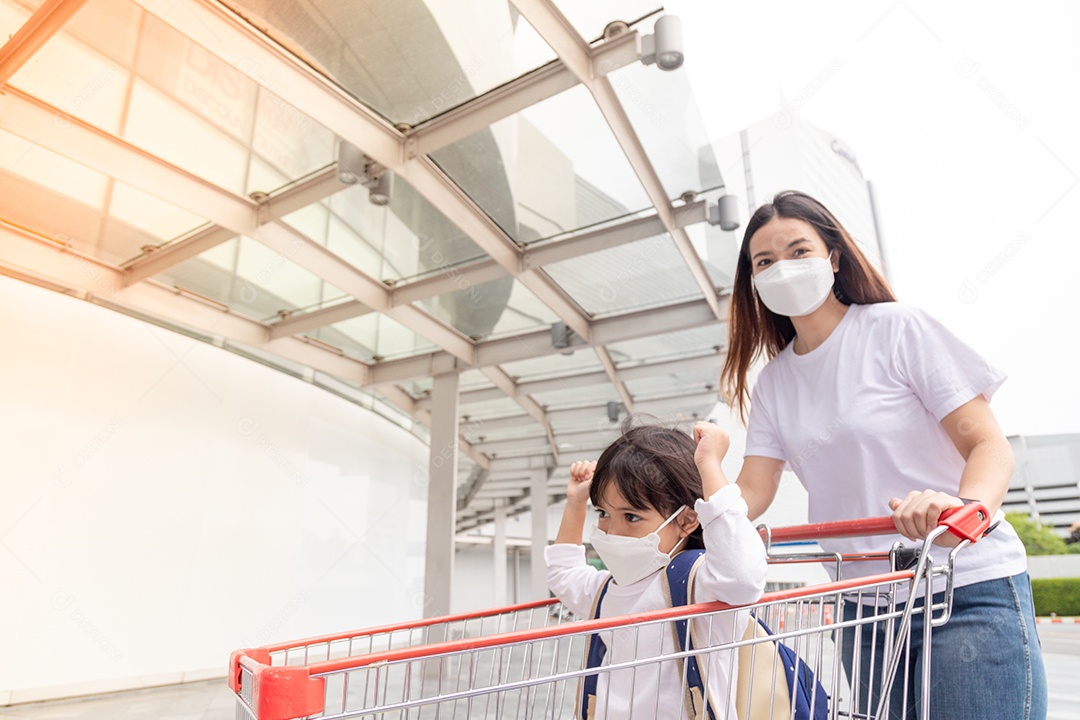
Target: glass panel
{"points": [[57, 197], [719, 250], [642, 274], [77, 80], [530, 434], [111, 27], [410, 234], [598, 423], [373, 337], [473, 380], [260, 269], [581, 360], [403, 239], [590, 18], [51, 171], [573, 397], [210, 274], [408, 60], [251, 279], [499, 407], [208, 87], [497, 308], [675, 383], [289, 140], [665, 116], [12, 17], [164, 128], [419, 388], [552, 168], [671, 345], [146, 212]]}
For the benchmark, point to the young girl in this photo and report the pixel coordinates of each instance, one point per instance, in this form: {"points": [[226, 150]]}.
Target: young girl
{"points": [[648, 487]]}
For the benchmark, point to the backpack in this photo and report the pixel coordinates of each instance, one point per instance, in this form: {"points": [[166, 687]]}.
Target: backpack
{"points": [[801, 682]]}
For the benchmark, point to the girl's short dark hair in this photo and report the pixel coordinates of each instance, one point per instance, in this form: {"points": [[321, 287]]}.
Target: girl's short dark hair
{"points": [[652, 467]]}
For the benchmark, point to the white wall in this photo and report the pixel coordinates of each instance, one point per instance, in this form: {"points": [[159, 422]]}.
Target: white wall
{"points": [[165, 502], [474, 578], [1054, 566]]}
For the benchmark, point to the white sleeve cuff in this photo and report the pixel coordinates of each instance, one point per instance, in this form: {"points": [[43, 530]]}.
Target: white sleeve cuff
{"points": [[726, 499], [564, 554]]}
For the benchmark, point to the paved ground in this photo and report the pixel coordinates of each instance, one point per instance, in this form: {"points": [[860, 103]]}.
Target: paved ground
{"points": [[212, 700], [1061, 653]]}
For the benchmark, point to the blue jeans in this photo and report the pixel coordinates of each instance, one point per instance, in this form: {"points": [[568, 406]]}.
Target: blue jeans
{"points": [[986, 661]]}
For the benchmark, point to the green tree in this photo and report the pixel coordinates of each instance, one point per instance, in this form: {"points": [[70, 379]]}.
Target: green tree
{"points": [[1038, 539]]}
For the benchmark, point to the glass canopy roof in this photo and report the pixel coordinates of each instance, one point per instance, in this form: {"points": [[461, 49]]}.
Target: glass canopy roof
{"points": [[536, 220]]}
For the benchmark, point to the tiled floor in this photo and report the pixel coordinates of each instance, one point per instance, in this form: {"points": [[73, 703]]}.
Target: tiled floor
{"points": [[209, 700]]}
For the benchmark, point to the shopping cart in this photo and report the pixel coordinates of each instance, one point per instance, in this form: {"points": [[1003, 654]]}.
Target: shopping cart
{"points": [[528, 660]]}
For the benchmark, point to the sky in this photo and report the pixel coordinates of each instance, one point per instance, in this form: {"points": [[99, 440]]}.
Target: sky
{"points": [[966, 117]]}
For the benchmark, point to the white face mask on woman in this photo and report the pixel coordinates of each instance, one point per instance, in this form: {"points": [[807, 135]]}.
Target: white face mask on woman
{"points": [[795, 287], [628, 558]]}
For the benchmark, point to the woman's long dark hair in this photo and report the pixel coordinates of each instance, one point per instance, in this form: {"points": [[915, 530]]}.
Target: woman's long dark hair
{"points": [[652, 467], [754, 328]]}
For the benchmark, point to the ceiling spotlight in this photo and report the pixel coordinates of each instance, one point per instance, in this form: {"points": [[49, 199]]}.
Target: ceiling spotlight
{"points": [[725, 213], [561, 334], [351, 163], [664, 47], [615, 407], [355, 167], [381, 188]]}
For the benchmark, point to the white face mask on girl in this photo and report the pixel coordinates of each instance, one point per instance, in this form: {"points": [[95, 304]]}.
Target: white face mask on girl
{"points": [[795, 287], [630, 559]]}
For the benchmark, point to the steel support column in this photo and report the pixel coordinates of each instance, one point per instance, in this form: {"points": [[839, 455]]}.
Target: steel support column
{"points": [[442, 496], [499, 553], [539, 496]]}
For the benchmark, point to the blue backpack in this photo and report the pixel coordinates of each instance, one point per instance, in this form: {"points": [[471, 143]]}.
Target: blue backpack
{"points": [[802, 685]]}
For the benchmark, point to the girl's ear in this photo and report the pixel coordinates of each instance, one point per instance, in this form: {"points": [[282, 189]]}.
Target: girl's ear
{"points": [[688, 521]]}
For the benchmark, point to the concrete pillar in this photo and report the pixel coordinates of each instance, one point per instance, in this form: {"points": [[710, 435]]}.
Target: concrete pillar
{"points": [[499, 553], [539, 494], [442, 496]]}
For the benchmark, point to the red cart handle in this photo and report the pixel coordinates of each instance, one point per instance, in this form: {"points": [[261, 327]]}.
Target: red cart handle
{"points": [[968, 522]]}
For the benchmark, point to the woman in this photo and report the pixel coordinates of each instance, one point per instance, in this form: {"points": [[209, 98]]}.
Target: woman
{"points": [[874, 405]]}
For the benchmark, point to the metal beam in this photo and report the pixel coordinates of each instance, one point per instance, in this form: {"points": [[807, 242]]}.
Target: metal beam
{"points": [[442, 497], [619, 328], [515, 96], [505, 383], [231, 38], [319, 186], [46, 21], [302, 322], [160, 259], [586, 439], [596, 413], [25, 115], [613, 375], [559, 33], [612, 235], [533, 257], [316, 258], [711, 361], [34, 120], [238, 43], [33, 258]]}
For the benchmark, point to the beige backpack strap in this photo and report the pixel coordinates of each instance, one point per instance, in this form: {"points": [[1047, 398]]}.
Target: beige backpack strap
{"points": [[590, 710], [696, 700], [761, 691]]}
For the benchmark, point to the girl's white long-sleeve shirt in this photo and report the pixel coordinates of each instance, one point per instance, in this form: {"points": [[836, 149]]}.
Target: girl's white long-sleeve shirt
{"points": [[733, 572]]}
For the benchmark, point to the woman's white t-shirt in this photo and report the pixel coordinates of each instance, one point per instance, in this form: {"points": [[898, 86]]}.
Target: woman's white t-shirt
{"points": [[858, 419], [733, 572]]}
